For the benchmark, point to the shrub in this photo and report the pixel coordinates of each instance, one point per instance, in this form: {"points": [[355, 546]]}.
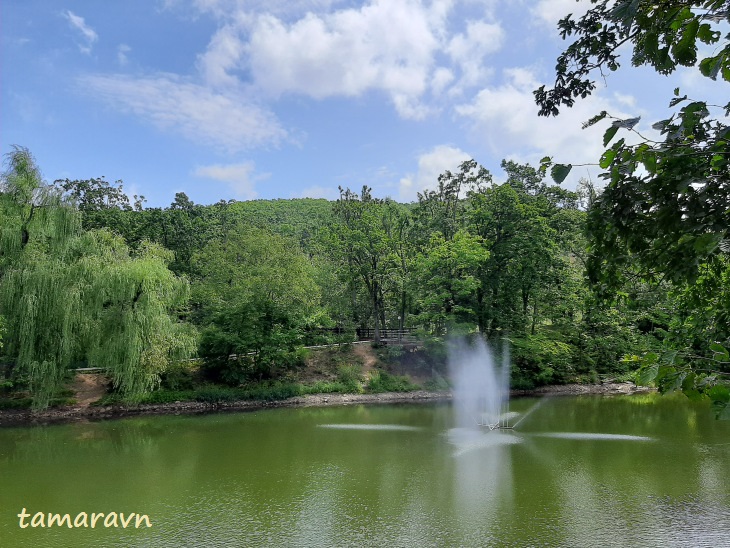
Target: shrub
{"points": [[15, 403], [539, 360], [180, 376], [350, 376], [380, 381]]}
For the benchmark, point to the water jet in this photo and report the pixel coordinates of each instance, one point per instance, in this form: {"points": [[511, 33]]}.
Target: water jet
{"points": [[481, 385]]}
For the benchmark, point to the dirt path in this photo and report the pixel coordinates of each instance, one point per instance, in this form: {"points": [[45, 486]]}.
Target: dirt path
{"points": [[88, 388], [369, 359]]}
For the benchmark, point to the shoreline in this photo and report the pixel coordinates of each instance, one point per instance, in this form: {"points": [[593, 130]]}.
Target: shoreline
{"points": [[71, 414]]}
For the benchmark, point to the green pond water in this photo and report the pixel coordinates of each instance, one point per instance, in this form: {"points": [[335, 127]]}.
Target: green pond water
{"points": [[578, 471]]}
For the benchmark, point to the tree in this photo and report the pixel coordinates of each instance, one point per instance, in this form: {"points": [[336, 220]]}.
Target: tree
{"points": [[449, 278], [255, 292], [666, 205], [363, 246], [72, 296]]}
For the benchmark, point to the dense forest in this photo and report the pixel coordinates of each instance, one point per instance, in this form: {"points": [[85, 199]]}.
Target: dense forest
{"points": [[580, 284], [89, 279]]}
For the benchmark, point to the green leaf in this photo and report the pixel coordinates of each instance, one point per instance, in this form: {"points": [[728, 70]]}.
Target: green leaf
{"points": [[610, 132], [650, 163], [719, 393], [717, 348], [711, 66], [685, 51], [647, 374], [693, 395], [689, 382], [595, 119], [651, 43], [721, 353], [607, 158], [560, 171], [707, 243], [707, 35]]}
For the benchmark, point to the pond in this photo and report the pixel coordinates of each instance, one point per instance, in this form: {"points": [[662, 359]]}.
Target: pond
{"points": [[640, 470]]}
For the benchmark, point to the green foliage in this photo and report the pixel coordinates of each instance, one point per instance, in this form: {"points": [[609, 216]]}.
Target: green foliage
{"points": [[381, 381], [472, 257], [664, 211], [448, 273], [696, 376], [181, 375], [350, 376], [15, 403], [663, 37], [70, 296], [254, 292], [364, 247], [539, 360]]}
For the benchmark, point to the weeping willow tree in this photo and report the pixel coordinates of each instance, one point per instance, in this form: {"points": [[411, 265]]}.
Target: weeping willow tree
{"points": [[70, 296]]}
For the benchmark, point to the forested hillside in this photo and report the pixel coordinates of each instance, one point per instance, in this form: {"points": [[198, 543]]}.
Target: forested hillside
{"points": [[88, 279]]}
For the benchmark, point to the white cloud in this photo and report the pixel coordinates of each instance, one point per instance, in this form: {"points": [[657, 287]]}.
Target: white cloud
{"points": [[224, 53], [430, 165], [223, 8], [122, 51], [321, 52], [549, 12], [505, 117], [88, 34], [241, 178], [229, 121], [383, 45], [442, 77], [468, 50], [308, 48]]}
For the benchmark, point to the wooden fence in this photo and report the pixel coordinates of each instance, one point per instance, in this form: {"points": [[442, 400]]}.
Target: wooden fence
{"points": [[389, 336]]}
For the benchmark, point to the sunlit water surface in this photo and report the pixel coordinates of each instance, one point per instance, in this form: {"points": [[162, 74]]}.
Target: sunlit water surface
{"points": [[579, 471]]}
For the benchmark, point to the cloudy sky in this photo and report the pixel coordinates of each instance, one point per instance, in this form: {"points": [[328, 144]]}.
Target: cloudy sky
{"points": [[253, 99]]}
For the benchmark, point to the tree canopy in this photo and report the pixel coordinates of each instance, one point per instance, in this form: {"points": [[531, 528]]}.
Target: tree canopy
{"points": [[664, 213], [72, 296]]}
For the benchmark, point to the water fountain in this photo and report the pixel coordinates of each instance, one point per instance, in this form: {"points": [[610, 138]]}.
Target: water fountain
{"points": [[480, 385]]}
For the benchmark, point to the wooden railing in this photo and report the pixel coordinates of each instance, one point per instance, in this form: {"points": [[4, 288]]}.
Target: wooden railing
{"points": [[389, 336]]}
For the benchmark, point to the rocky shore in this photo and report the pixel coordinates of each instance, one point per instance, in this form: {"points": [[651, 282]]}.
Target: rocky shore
{"points": [[80, 413]]}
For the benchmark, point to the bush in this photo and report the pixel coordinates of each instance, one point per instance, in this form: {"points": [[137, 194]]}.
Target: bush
{"points": [[437, 384], [324, 387], [15, 403], [350, 376], [539, 360], [380, 381], [168, 396], [180, 376]]}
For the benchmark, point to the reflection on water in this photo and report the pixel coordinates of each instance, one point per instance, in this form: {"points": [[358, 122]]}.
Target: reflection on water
{"points": [[370, 427], [592, 436], [580, 472]]}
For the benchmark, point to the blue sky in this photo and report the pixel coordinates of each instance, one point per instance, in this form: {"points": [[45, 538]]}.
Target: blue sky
{"points": [[239, 99]]}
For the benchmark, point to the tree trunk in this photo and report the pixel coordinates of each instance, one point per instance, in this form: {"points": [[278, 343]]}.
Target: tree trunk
{"points": [[402, 315], [376, 314]]}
